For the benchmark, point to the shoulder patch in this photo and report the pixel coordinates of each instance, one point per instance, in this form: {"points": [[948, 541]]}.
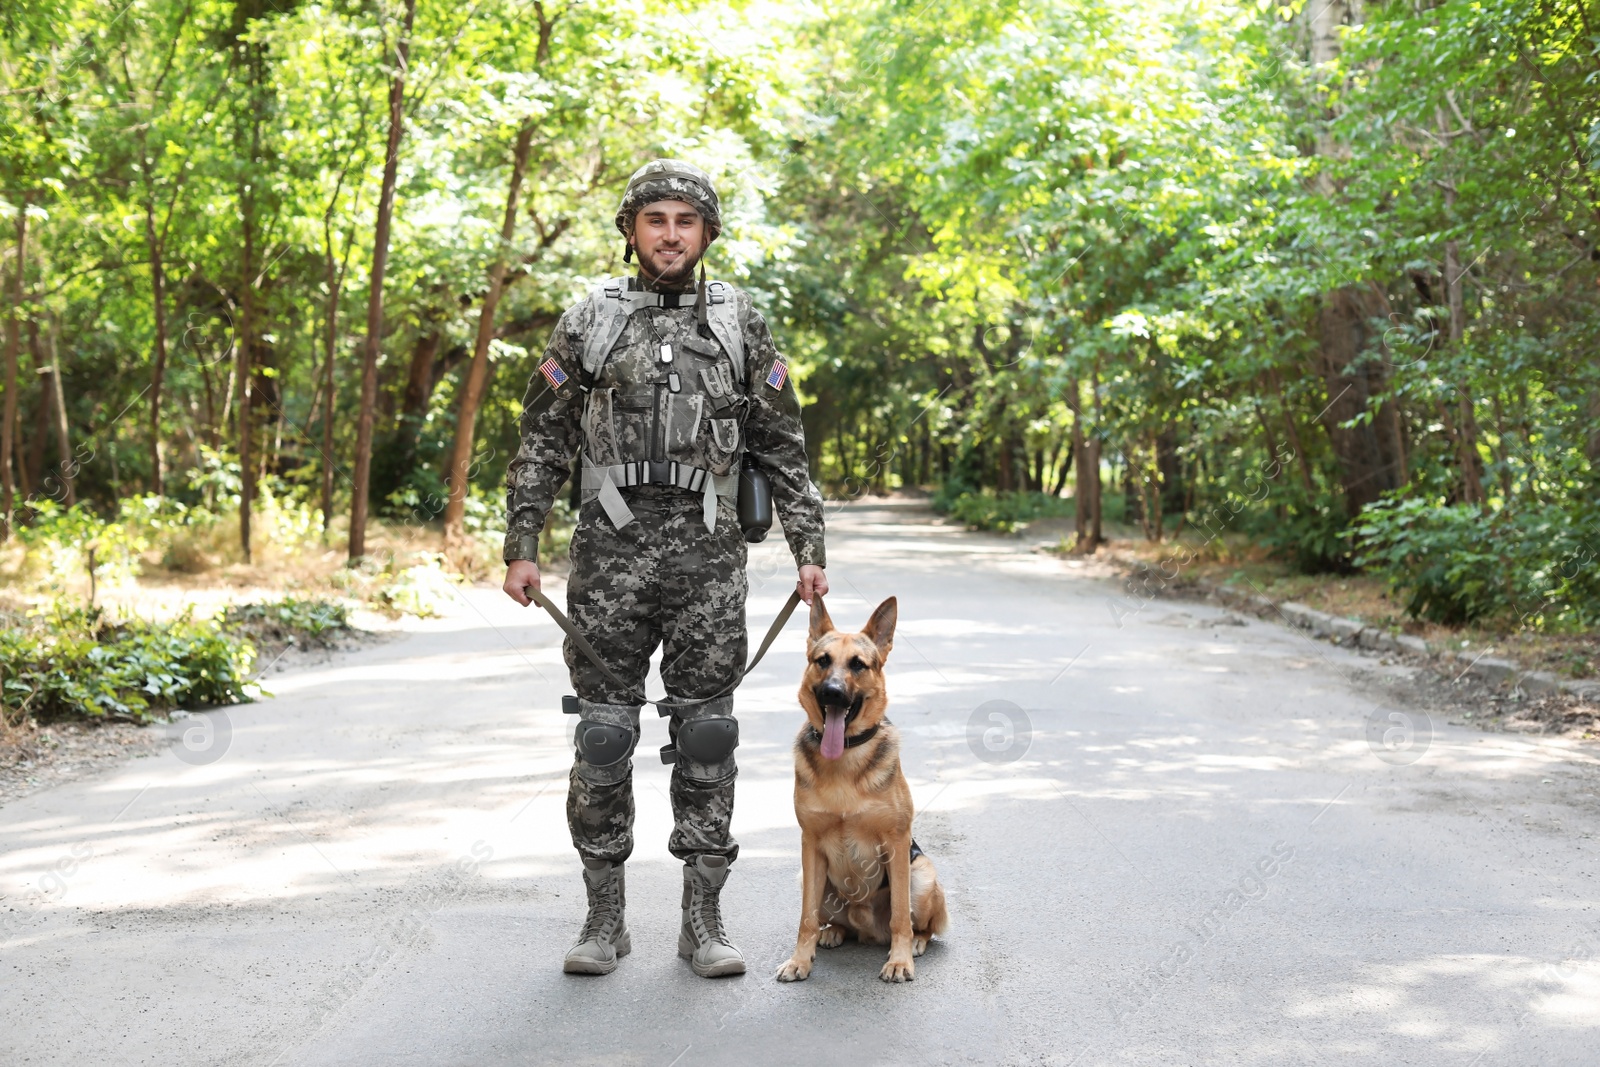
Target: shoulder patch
{"points": [[557, 376], [777, 376]]}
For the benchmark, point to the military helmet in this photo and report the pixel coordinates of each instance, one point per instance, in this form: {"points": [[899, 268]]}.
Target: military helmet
{"points": [[670, 179]]}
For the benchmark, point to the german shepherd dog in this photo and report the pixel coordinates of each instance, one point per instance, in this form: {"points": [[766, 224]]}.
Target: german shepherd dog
{"points": [[861, 873]]}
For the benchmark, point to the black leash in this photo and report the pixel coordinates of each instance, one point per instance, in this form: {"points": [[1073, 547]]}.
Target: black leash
{"points": [[583, 645]]}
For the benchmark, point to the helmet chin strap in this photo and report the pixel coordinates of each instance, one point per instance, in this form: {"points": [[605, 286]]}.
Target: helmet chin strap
{"points": [[703, 326]]}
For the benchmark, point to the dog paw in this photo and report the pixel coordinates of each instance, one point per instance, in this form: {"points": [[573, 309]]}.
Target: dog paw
{"points": [[919, 945], [794, 971], [898, 971], [832, 937]]}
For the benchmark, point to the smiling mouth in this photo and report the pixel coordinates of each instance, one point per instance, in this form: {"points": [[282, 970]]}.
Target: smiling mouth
{"points": [[668, 260]]}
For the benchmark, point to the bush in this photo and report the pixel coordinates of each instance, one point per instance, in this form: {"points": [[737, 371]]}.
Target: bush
{"points": [[1458, 564], [72, 663], [422, 590], [290, 620], [1004, 512], [67, 542], [1314, 534]]}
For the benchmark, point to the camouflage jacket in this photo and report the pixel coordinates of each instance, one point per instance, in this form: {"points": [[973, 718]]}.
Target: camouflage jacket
{"points": [[627, 412]]}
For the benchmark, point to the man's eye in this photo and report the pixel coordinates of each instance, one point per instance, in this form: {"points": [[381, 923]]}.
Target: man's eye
{"points": [[856, 664], [824, 661]]}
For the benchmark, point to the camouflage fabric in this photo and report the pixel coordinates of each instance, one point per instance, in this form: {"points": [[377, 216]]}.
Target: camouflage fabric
{"points": [[600, 817], [633, 409], [670, 179], [661, 580], [634, 414]]}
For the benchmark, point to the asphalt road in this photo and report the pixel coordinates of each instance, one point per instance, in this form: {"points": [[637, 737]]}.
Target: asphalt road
{"points": [[1167, 837]]}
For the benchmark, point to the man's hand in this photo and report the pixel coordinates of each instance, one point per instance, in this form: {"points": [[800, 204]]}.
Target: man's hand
{"points": [[521, 573], [813, 582]]}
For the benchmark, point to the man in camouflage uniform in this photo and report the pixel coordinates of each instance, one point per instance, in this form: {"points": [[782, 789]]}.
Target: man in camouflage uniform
{"points": [[661, 386]]}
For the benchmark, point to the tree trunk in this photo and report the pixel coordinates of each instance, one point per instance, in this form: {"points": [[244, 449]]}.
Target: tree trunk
{"points": [[1368, 454], [1169, 468], [245, 341], [8, 421], [472, 392], [1006, 483], [1301, 460], [1064, 469], [420, 380], [242, 373], [158, 300], [1080, 492], [330, 393], [69, 469], [1086, 452], [209, 392], [380, 260], [33, 478], [1096, 450], [1592, 449], [1466, 425], [1326, 19]]}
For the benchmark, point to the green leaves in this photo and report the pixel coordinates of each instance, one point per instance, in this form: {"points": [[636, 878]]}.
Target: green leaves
{"points": [[1455, 564], [71, 663]]}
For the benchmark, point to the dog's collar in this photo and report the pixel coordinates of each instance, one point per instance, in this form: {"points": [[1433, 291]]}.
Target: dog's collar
{"points": [[850, 742]]}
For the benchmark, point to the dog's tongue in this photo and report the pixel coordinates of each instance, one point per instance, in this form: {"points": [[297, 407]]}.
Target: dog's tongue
{"points": [[833, 732]]}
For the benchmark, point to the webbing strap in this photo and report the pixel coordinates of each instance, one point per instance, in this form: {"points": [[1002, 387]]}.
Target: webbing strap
{"points": [[604, 482], [646, 472], [616, 300], [582, 644]]}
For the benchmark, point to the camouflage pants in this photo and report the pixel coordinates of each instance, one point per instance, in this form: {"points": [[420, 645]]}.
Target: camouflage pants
{"points": [[661, 580]]}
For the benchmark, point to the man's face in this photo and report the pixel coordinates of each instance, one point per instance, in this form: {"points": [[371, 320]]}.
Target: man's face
{"points": [[669, 237]]}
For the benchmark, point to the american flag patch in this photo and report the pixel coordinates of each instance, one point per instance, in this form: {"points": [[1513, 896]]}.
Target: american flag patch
{"points": [[553, 373], [779, 374]]}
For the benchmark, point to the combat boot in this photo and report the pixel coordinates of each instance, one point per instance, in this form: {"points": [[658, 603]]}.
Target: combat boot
{"points": [[702, 940], [604, 939]]}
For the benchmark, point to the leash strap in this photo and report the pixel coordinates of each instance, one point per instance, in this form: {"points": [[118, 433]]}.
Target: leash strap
{"points": [[582, 644], [572, 631]]}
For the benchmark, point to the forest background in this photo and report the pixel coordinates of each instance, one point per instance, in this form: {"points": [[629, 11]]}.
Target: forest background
{"points": [[1315, 278]]}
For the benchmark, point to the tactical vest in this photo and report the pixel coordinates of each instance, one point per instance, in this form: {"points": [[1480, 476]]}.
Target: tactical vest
{"points": [[681, 423]]}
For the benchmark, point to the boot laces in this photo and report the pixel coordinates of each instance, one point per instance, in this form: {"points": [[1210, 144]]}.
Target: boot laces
{"points": [[604, 911], [708, 915]]}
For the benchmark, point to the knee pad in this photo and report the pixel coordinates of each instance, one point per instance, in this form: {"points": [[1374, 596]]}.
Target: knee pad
{"points": [[704, 742], [708, 740], [604, 739], [600, 744]]}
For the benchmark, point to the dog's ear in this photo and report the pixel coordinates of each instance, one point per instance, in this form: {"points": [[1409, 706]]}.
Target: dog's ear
{"points": [[880, 628], [820, 622]]}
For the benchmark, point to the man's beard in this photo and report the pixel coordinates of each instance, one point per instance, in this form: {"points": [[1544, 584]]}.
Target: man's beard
{"points": [[679, 271]]}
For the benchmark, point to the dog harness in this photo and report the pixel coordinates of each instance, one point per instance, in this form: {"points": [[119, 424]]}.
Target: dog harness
{"points": [[916, 850]]}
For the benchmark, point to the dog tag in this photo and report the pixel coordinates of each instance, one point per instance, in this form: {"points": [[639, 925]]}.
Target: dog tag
{"points": [[666, 355], [672, 381]]}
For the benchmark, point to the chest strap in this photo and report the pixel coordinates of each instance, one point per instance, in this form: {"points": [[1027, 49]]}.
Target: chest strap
{"points": [[604, 484], [616, 300]]}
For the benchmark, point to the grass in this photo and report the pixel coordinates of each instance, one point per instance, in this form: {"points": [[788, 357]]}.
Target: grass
{"points": [[1234, 560]]}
